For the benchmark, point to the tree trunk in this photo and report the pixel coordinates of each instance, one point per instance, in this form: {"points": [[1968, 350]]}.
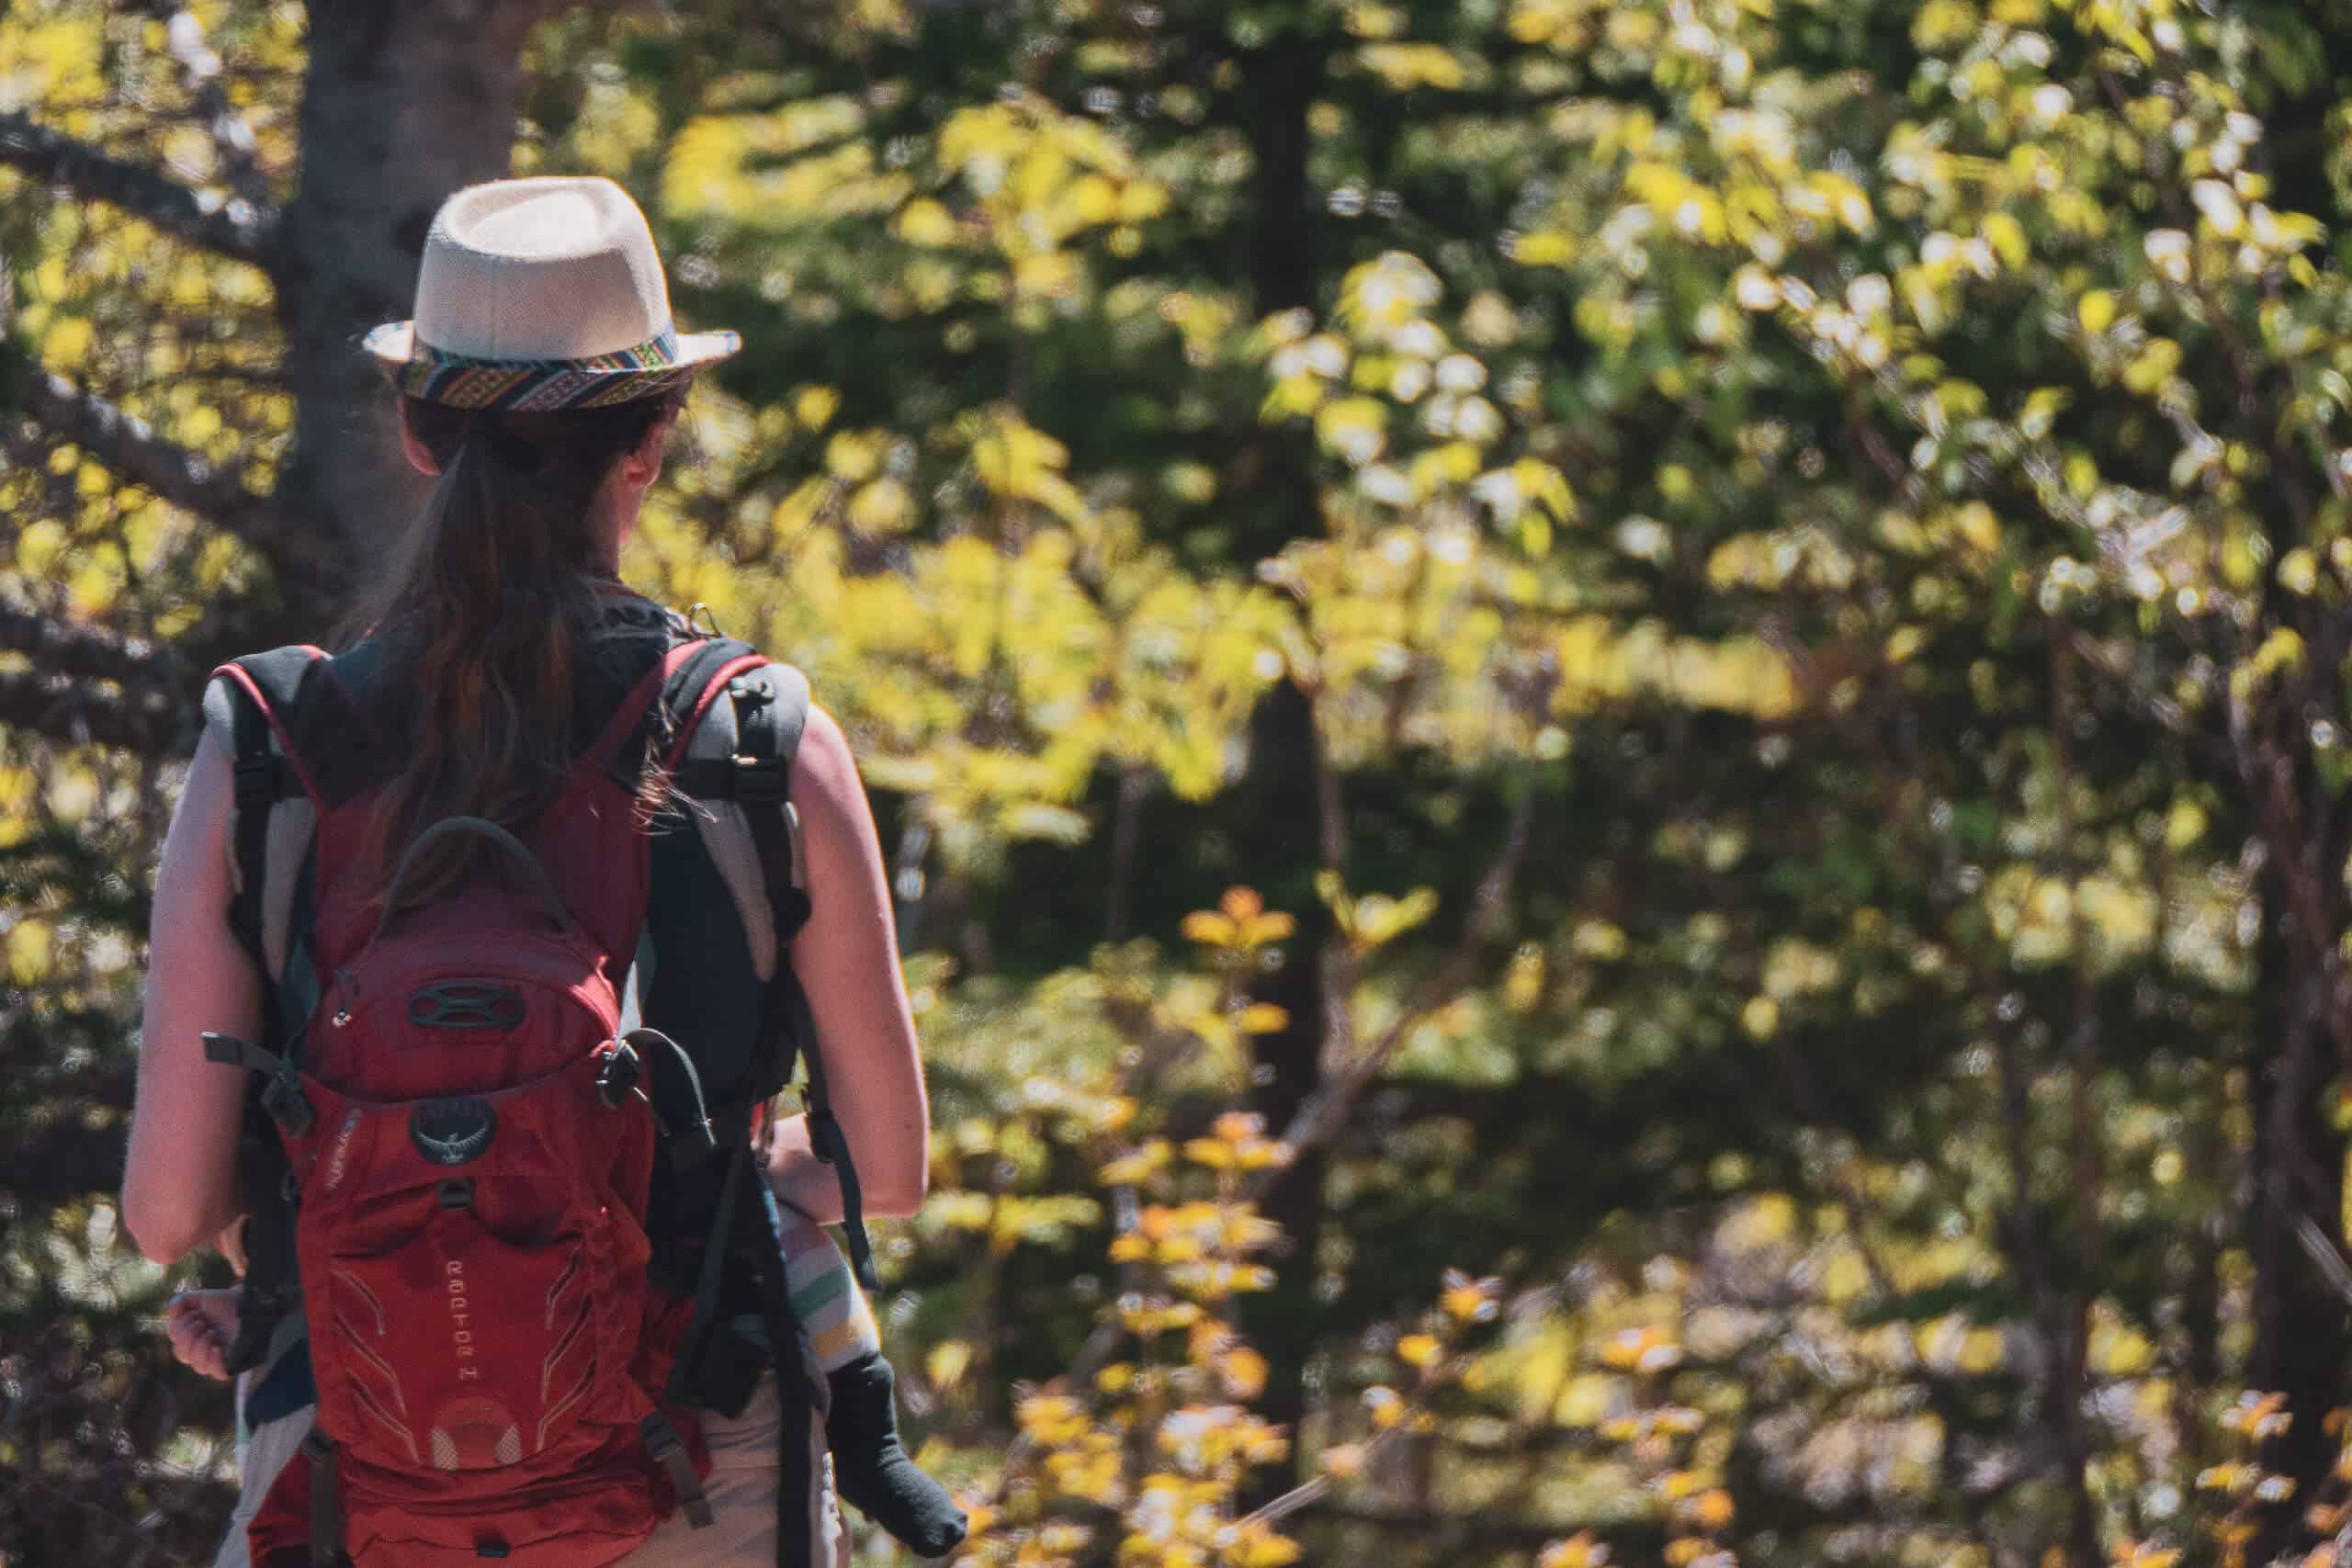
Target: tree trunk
{"points": [[1283, 807], [405, 102], [1283, 1322], [2302, 1339]]}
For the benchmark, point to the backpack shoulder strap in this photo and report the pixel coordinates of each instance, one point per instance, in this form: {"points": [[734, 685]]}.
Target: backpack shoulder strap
{"points": [[695, 673], [329, 744], [759, 727], [248, 701], [253, 704], [295, 733], [770, 716]]}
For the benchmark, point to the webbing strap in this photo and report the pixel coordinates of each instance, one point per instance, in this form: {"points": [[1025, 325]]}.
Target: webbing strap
{"points": [[258, 774], [667, 1449], [827, 1141], [231, 1052], [796, 1476], [326, 1501], [298, 989], [281, 1093], [272, 1338]]}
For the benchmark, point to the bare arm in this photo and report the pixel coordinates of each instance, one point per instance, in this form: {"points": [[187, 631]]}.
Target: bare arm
{"points": [[180, 1187], [847, 959]]}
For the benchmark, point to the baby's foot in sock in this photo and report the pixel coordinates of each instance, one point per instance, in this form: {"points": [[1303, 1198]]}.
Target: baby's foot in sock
{"points": [[871, 1466]]}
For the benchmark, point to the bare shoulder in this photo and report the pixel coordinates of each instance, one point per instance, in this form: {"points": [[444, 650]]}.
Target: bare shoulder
{"points": [[202, 814], [195, 877], [826, 789]]}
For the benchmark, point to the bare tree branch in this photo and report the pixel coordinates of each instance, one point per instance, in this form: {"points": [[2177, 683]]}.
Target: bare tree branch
{"points": [[1485, 1534], [137, 719], [2323, 1257], [1325, 1113], [130, 446], [236, 229], [61, 647]]}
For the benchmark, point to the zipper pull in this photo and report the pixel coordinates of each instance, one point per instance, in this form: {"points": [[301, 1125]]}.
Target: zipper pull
{"points": [[348, 991]]}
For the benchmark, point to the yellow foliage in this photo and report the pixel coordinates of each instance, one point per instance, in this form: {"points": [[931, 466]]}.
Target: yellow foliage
{"points": [[30, 950], [924, 222], [1404, 66], [66, 345], [1580, 1551], [56, 60], [947, 1362]]}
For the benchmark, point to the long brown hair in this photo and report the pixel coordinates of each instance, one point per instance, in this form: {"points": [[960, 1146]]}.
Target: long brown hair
{"points": [[493, 596]]}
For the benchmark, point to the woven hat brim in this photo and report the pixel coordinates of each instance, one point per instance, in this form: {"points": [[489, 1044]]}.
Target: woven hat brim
{"points": [[537, 386]]}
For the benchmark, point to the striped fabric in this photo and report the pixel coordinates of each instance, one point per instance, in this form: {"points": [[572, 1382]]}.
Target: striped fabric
{"points": [[831, 1309], [537, 386]]}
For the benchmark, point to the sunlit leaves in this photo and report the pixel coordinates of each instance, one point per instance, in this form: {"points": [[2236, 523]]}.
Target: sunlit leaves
{"points": [[1716, 416], [783, 170], [1019, 463]]}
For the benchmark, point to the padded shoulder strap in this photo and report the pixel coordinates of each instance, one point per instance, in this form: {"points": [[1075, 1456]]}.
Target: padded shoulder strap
{"points": [[249, 698], [767, 709], [332, 747], [770, 716], [694, 678]]}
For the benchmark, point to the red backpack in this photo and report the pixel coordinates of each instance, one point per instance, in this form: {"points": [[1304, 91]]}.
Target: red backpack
{"points": [[469, 1137]]}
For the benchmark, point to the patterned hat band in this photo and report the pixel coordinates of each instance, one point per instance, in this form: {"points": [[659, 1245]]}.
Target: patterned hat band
{"points": [[463, 381]]}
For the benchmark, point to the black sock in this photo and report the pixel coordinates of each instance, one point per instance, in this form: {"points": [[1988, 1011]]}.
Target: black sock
{"points": [[871, 1466]]}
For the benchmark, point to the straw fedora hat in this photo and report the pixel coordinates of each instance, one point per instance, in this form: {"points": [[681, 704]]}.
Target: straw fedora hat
{"points": [[540, 294]]}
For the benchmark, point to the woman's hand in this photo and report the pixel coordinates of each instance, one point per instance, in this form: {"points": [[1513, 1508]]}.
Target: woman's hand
{"points": [[202, 1325]]}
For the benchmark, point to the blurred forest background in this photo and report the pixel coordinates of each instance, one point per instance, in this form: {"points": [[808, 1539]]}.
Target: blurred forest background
{"points": [[1615, 731]]}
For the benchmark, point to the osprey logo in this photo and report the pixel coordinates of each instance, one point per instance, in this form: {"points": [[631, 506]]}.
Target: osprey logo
{"points": [[451, 1132]]}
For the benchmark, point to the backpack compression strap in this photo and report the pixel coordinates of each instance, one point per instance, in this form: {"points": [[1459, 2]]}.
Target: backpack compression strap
{"points": [[769, 704]]}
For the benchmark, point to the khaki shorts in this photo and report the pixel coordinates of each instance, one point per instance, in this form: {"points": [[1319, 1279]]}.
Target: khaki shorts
{"points": [[259, 1458], [741, 1489]]}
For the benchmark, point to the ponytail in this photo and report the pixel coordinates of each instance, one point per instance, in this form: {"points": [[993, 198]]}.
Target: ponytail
{"points": [[493, 596]]}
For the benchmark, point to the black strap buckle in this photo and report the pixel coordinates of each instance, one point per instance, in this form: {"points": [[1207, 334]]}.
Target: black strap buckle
{"points": [[758, 783], [282, 1097], [281, 1080], [666, 1449]]}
